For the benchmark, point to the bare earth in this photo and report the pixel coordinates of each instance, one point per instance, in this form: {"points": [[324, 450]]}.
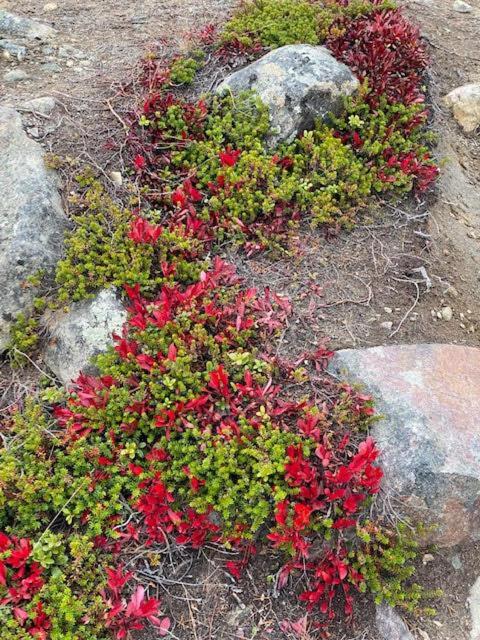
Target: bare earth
{"points": [[384, 283]]}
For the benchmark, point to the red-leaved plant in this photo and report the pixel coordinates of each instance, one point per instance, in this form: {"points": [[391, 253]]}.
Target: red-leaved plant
{"points": [[130, 614]]}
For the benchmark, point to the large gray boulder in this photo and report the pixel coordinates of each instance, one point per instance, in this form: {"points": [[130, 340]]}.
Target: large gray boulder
{"points": [[12, 24], [429, 437], [80, 334], [298, 83], [32, 221]]}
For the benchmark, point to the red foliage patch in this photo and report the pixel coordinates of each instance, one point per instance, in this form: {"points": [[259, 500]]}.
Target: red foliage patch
{"points": [[385, 49]]}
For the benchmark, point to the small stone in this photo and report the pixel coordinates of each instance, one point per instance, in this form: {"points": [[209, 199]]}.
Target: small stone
{"points": [[386, 325], [117, 178], [451, 291], [427, 558], [52, 67], [139, 19], [13, 50], [33, 132], [462, 7], [70, 63], [456, 562], [50, 6], [388, 309], [44, 105], [390, 625], [67, 51], [447, 314], [16, 75], [465, 104]]}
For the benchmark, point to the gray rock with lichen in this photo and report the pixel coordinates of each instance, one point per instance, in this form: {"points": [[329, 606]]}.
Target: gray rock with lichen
{"points": [[12, 24], [32, 221], [76, 336], [299, 83]]}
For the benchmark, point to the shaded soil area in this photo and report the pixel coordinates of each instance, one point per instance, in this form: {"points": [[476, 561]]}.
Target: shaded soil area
{"points": [[386, 282]]}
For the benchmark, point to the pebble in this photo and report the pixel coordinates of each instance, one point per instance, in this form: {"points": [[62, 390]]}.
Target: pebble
{"points": [[52, 67], [16, 75], [44, 105], [451, 291], [50, 6], [117, 178], [67, 51], [388, 309], [446, 314], [13, 50], [387, 326], [33, 132], [456, 562], [462, 7], [427, 558]]}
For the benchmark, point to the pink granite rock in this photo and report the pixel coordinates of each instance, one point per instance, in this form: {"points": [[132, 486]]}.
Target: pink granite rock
{"points": [[429, 396]]}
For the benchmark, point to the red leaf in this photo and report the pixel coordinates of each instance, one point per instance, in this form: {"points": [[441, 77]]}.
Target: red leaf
{"points": [[139, 162], [163, 626], [229, 158]]}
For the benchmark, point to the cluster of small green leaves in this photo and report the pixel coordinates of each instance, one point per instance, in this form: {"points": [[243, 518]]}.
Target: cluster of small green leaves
{"points": [[23, 339], [323, 177], [44, 490], [275, 23], [99, 252], [38, 480], [184, 69], [385, 557], [241, 478], [388, 133]]}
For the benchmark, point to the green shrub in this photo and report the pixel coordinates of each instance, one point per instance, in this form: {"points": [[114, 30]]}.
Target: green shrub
{"points": [[100, 253], [274, 23]]}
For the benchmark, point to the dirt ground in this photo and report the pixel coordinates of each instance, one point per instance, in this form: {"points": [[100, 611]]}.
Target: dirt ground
{"points": [[384, 283]]}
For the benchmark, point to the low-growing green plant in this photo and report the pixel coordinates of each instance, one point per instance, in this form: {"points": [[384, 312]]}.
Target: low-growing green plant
{"points": [[184, 70], [102, 250], [23, 339], [276, 23], [386, 558], [391, 140]]}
